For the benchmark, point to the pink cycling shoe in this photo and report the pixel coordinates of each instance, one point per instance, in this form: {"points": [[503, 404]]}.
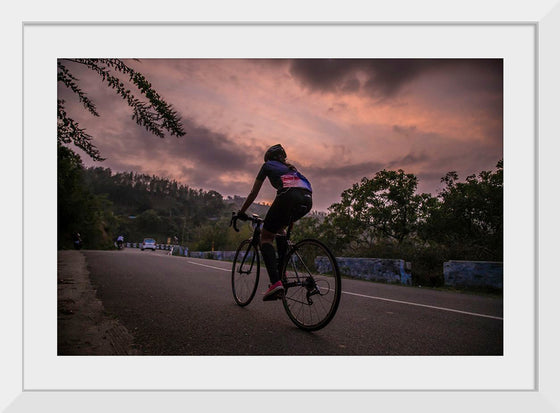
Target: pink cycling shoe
{"points": [[274, 292]]}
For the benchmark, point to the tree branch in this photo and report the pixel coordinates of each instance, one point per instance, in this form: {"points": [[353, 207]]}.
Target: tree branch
{"points": [[69, 81], [69, 131]]}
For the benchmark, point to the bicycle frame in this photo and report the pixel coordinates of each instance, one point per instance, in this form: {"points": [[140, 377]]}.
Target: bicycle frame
{"points": [[244, 259], [255, 241], [299, 275]]}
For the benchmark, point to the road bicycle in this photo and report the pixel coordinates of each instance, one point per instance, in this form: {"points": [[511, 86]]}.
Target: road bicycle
{"points": [[310, 276]]}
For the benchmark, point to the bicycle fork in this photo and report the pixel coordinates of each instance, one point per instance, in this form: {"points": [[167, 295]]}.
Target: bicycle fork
{"points": [[245, 256]]}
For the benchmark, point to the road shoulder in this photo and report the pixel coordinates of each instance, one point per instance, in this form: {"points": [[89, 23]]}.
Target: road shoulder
{"points": [[83, 326]]}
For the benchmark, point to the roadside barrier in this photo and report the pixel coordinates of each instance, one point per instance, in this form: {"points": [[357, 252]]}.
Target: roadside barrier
{"points": [[376, 269], [166, 247], [395, 271], [474, 274]]}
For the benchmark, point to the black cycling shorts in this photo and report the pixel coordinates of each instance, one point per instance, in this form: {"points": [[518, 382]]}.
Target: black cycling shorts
{"points": [[290, 205]]}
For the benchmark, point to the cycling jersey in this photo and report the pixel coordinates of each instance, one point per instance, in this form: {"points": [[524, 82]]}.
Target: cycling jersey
{"points": [[282, 176]]}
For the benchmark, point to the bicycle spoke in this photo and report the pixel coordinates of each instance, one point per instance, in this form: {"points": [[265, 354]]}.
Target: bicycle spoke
{"points": [[313, 285]]}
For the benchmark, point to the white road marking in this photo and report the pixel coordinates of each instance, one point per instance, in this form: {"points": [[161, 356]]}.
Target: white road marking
{"points": [[424, 305], [209, 266], [385, 299]]}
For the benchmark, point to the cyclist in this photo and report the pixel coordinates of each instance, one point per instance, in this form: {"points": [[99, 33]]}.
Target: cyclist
{"points": [[293, 201], [77, 240]]}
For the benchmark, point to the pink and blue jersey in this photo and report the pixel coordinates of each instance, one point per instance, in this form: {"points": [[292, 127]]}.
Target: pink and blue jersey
{"points": [[282, 176]]}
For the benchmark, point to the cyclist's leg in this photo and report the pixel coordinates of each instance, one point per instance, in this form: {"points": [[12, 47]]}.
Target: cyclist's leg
{"points": [[269, 255], [275, 221], [276, 288], [294, 205], [282, 247]]}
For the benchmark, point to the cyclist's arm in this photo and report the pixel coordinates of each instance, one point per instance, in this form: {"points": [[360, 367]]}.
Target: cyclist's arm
{"points": [[252, 195]]}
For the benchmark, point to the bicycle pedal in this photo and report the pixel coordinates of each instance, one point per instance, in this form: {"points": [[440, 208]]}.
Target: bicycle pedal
{"points": [[277, 296]]}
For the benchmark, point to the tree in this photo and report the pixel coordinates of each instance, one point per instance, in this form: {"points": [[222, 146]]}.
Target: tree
{"points": [[156, 115], [469, 215], [149, 222], [307, 227], [79, 209], [385, 207]]}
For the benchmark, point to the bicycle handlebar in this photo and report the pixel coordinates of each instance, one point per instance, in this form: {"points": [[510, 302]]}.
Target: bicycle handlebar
{"points": [[233, 221], [234, 217]]}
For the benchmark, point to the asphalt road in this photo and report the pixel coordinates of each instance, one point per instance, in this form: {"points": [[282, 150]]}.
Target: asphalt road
{"points": [[184, 306]]}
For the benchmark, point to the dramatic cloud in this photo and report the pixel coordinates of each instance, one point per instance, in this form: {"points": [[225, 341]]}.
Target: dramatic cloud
{"points": [[339, 120], [386, 77]]}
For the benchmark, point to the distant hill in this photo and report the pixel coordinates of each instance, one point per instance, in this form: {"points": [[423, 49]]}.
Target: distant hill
{"points": [[236, 202], [139, 205]]}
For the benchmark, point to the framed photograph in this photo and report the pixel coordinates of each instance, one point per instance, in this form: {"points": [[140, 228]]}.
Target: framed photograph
{"points": [[522, 378]]}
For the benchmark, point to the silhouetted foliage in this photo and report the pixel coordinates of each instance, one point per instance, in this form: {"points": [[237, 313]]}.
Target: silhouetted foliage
{"points": [[468, 216], [79, 209], [153, 113], [384, 208], [383, 217]]}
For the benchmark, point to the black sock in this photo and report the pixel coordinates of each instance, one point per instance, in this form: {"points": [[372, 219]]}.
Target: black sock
{"points": [[282, 246], [269, 257]]}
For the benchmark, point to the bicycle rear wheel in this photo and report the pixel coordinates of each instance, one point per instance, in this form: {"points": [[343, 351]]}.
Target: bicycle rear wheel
{"points": [[312, 285], [245, 273]]}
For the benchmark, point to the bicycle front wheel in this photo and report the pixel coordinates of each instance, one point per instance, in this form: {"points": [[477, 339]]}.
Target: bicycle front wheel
{"points": [[245, 273], [312, 285]]}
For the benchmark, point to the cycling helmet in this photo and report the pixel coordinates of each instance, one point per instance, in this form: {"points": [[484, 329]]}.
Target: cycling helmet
{"points": [[275, 152]]}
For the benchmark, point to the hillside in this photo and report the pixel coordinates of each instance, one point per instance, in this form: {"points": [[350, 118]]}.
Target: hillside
{"points": [[235, 203], [150, 206]]}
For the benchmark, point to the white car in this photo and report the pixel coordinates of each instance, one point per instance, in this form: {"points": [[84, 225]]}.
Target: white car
{"points": [[148, 243]]}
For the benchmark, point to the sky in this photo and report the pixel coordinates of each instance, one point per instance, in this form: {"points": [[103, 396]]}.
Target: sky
{"points": [[339, 120]]}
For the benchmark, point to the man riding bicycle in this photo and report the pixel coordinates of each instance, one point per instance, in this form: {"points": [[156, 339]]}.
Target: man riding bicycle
{"points": [[293, 201]]}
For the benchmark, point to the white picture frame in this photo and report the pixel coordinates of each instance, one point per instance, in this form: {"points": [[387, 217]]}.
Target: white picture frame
{"points": [[542, 17]]}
